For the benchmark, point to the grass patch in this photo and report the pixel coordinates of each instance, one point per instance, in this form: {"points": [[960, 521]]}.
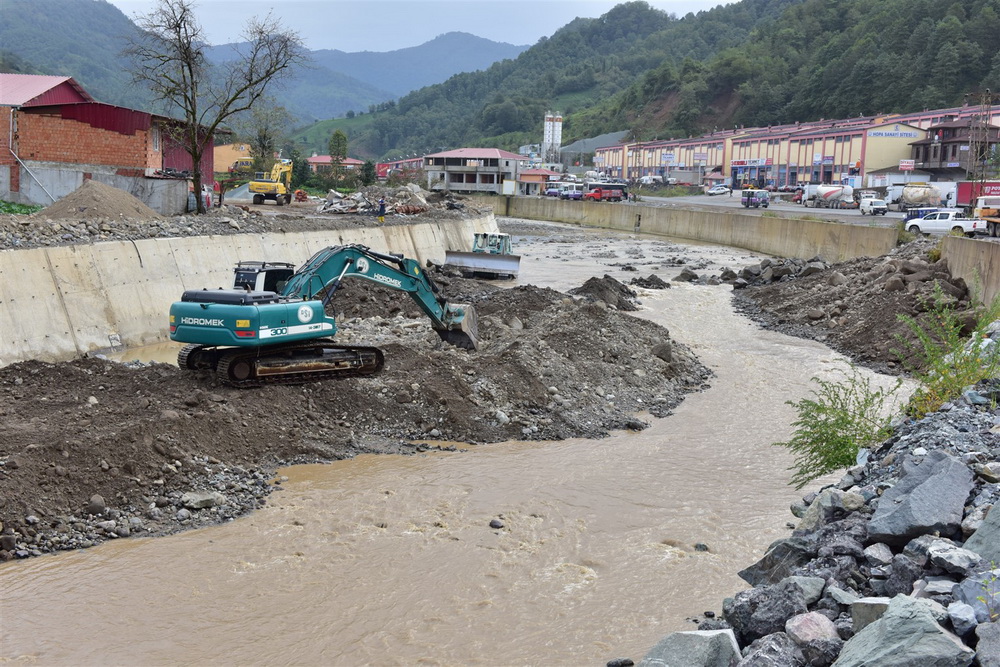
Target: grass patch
{"points": [[18, 209]]}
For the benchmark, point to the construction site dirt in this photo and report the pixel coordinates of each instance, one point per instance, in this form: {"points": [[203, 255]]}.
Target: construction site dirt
{"points": [[95, 451]]}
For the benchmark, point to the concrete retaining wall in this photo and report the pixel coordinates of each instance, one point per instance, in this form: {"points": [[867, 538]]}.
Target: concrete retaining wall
{"points": [[976, 262], [59, 303], [783, 237], [50, 181]]}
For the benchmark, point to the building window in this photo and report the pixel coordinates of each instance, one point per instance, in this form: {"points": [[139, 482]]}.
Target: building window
{"points": [[155, 137]]}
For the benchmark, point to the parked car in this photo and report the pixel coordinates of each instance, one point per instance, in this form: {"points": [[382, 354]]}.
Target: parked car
{"points": [[552, 191], [871, 206], [719, 190], [944, 221]]}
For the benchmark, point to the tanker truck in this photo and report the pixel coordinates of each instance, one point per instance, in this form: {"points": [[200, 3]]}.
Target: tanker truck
{"points": [[828, 196], [918, 195]]}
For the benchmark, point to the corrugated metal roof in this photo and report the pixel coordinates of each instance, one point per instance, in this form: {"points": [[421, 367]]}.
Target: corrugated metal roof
{"points": [[21, 90], [479, 154]]}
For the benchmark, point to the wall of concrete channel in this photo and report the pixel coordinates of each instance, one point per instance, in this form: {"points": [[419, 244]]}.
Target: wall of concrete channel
{"points": [[975, 261], [782, 237], [62, 302]]}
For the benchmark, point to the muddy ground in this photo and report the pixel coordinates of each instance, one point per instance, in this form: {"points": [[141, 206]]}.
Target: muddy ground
{"points": [[92, 450]]}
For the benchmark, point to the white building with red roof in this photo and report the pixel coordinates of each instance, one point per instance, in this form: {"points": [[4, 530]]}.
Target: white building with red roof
{"points": [[474, 171]]}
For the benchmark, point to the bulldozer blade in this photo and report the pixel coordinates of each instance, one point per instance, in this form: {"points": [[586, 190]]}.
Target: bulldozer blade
{"points": [[484, 263], [463, 333]]}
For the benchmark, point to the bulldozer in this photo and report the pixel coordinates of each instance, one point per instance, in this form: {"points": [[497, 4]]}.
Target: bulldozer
{"points": [[271, 327], [492, 256], [276, 187]]}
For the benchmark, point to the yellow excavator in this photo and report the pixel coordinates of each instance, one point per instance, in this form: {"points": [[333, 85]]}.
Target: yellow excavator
{"points": [[277, 188]]}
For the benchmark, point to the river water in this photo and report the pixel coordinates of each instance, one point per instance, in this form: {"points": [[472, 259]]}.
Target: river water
{"points": [[390, 560]]}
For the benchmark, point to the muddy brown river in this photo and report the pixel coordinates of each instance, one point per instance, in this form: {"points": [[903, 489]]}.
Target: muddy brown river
{"points": [[390, 560]]}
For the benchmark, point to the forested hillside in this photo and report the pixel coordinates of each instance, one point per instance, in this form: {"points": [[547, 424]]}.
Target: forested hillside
{"points": [[584, 63], [755, 62], [823, 59]]}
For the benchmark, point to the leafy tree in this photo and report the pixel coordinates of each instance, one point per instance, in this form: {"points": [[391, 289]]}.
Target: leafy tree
{"points": [[169, 57], [263, 128], [338, 151], [368, 175]]}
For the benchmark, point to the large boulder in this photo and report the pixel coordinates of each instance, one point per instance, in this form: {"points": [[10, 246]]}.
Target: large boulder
{"points": [[907, 634], [697, 648], [986, 540], [775, 650], [928, 498], [780, 560], [761, 611]]}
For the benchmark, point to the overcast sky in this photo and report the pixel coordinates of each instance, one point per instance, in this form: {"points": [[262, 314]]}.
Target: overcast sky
{"points": [[387, 25]]}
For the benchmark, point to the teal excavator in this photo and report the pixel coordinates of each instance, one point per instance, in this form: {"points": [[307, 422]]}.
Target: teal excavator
{"points": [[272, 327]]}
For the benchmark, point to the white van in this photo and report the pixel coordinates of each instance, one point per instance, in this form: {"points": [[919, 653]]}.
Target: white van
{"points": [[872, 206]]}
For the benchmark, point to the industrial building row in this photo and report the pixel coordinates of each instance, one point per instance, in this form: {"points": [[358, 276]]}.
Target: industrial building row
{"points": [[954, 144]]}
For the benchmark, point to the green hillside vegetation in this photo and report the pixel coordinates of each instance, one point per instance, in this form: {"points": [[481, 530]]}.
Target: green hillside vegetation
{"points": [[822, 60], [583, 63], [72, 38], [753, 63]]}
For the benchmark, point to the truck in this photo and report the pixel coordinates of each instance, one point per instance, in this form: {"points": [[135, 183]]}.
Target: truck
{"points": [[492, 256], [944, 221], [241, 167], [916, 195], [988, 209], [271, 327], [605, 192], [275, 187], [828, 196], [967, 192]]}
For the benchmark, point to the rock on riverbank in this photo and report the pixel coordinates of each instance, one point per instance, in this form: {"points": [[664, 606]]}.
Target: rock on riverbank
{"points": [[896, 564]]}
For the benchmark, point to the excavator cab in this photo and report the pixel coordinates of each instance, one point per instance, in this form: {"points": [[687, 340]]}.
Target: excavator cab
{"points": [[262, 276]]}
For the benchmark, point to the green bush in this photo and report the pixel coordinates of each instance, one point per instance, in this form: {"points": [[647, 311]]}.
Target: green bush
{"points": [[943, 359], [841, 419]]}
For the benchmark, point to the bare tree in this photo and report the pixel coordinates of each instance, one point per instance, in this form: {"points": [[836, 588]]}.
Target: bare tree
{"points": [[169, 57]]}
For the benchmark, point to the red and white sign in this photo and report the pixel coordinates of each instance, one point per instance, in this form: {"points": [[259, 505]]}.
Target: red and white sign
{"points": [[906, 165]]}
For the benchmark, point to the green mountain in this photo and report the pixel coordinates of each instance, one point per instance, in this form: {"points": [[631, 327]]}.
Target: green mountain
{"points": [[84, 39], [585, 64], [755, 62]]}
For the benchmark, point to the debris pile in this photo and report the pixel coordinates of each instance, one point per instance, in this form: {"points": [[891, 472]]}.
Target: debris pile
{"points": [[853, 306], [407, 200]]}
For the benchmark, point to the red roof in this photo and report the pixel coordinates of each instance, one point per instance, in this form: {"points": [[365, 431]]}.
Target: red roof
{"points": [[540, 172], [24, 90], [479, 154], [326, 159]]}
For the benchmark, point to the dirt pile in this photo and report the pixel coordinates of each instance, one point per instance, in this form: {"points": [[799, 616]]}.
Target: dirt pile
{"points": [[853, 306], [98, 212], [91, 450]]}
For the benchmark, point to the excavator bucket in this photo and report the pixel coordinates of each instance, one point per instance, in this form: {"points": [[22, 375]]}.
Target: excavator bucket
{"points": [[485, 264], [463, 331]]}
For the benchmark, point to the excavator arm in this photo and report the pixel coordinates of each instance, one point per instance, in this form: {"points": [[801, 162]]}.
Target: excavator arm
{"points": [[322, 274]]}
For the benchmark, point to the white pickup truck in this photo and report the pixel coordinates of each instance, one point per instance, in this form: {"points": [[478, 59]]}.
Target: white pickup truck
{"points": [[945, 221]]}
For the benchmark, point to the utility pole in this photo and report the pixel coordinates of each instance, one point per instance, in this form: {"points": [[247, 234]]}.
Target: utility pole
{"points": [[979, 140]]}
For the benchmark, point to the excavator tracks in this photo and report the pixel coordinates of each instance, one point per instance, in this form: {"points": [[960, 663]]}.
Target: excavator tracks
{"points": [[314, 361]]}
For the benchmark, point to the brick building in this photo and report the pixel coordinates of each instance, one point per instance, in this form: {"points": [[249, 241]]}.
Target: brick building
{"points": [[54, 135]]}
